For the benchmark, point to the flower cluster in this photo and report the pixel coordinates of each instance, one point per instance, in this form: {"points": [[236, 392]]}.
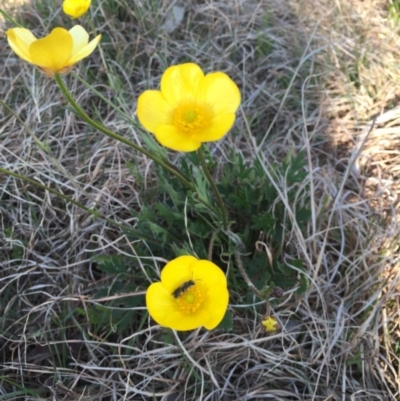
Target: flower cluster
{"points": [[190, 108]]}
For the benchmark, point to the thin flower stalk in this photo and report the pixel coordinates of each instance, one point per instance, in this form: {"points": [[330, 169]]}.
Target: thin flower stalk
{"points": [[125, 115], [117, 137], [172, 169], [9, 18], [221, 205]]}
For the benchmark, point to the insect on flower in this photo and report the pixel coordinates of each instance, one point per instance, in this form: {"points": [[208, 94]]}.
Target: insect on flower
{"points": [[182, 288], [191, 293]]}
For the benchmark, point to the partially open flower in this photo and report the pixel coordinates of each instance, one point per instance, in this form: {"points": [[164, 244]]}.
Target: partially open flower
{"points": [[55, 53], [76, 8], [192, 293], [190, 108], [270, 324]]}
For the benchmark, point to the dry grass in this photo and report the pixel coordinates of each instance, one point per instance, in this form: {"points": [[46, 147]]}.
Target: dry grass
{"points": [[313, 74]]}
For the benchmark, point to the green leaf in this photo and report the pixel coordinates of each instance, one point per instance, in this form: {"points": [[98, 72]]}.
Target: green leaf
{"points": [[264, 221], [303, 216], [167, 213], [111, 264], [283, 268], [356, 359], [295, 171], [304, 284], [258, 270]]}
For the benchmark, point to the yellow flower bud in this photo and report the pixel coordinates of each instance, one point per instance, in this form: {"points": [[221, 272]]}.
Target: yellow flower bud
{"points": [[270, 324], [76, 8]]}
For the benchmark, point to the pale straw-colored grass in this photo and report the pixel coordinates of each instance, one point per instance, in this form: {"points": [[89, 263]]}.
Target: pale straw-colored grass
{"points": [[313, 74]]}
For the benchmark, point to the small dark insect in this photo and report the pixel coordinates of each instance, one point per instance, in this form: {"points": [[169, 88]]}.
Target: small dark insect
{"points": [[182, 288]]}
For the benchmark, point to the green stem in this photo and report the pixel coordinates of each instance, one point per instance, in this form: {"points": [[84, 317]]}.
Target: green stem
{"points": [[245, 276], [11, 19], [117, 137], [117, 109], [169, 167], [214, 188], [211, 245], [93, 212], [129, 119], [240, 247]]}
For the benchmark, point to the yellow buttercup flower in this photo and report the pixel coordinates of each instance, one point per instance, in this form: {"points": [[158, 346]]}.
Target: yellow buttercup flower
{"points": [[192, 293], [76, 8], [55, 53], [190, 108]]}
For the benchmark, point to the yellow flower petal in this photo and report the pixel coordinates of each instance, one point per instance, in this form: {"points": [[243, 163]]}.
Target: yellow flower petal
{"points": [[178, 271], [183, 322], [218, 128], [76, 8], [53, 51], [163, 309], [218, 90], [19, 40], [206, 272], [85, 51], [170, 137], [216, 303], [160, 303], [80, 38], [214, 281], [181, 82], [153, 110]]}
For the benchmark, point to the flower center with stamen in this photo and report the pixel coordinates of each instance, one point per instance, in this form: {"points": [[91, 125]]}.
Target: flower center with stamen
{"points": [[191, 117], [190, 300]]}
